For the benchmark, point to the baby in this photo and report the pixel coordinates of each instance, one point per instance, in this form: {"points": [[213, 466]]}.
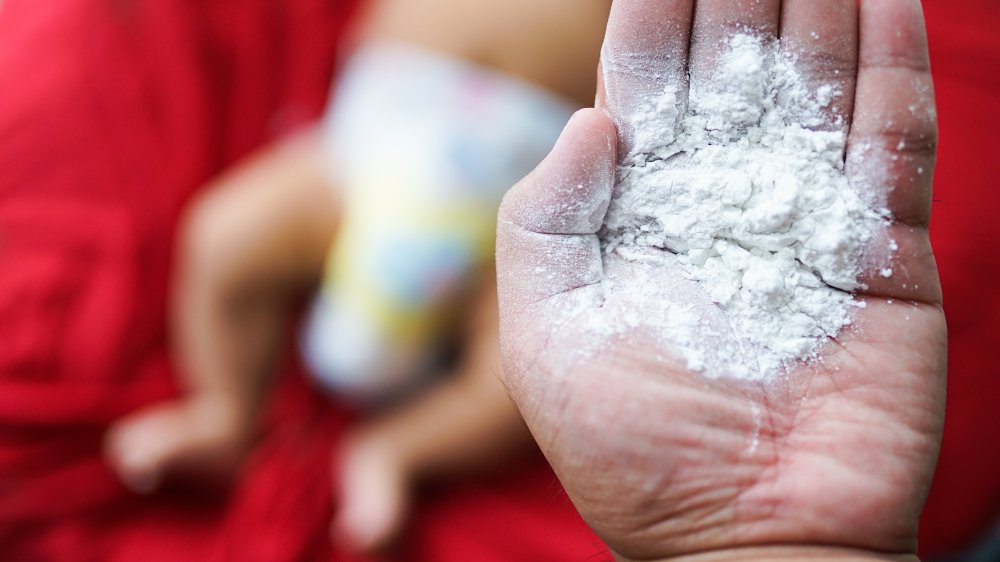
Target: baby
{"points": [[443, 105]]}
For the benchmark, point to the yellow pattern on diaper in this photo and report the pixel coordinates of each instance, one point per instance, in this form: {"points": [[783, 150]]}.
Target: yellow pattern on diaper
{"points": [[404, 255]]}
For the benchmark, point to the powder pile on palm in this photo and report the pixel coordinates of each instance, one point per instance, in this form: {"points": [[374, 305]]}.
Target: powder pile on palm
{"points": [[741, 188]]}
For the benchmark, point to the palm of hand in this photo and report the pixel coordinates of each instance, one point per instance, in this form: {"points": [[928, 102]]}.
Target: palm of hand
{"points": [[663, 461], [838, 452]]}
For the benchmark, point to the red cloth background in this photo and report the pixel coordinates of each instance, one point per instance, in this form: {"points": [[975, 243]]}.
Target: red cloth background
{"points": [[965, 231], [114, 112]]}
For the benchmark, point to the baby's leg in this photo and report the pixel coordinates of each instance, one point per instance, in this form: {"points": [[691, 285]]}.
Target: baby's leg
{"points": [[249, 247], [465, 424]]}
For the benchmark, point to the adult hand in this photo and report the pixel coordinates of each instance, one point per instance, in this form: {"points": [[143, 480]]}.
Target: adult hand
{"points": [[833, 460]]}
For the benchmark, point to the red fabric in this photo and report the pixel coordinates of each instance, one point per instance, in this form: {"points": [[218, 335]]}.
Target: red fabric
{"points": [[115, 111], [965, 230]]}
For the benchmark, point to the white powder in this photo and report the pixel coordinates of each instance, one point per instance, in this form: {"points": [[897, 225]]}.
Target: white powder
{"points": [[741, 191]]}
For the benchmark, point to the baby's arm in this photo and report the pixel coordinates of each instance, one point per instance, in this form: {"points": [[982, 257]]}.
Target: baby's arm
{"points": [[463, 425]]}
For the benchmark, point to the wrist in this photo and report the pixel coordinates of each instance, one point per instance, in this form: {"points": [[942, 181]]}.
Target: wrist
{"points": [[787, 553]]}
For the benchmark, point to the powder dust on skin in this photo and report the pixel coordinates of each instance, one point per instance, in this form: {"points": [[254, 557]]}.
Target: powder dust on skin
{"points": [[742, 195]]}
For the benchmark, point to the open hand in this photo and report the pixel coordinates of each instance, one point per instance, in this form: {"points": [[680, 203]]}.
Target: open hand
{"points": [[665, 462]]}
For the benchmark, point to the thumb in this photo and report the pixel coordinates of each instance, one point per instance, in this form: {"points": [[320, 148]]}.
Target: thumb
{"points": [[547, 230]]}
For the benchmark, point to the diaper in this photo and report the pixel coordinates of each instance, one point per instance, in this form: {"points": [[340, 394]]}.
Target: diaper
{"points": [[422, 147]]}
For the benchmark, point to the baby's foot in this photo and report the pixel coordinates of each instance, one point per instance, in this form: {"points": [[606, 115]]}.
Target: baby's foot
{"points": [[207, 434], [374, 487]]}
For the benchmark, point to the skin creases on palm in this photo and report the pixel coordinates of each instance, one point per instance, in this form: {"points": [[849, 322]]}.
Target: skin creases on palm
{"points": [[663, 461]]}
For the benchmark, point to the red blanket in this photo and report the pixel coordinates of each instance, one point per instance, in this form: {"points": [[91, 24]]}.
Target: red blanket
{"points": [[965, 54], [113, 112]]}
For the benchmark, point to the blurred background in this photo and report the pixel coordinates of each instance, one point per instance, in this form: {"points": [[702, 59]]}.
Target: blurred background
{"points": [[117, 117]]}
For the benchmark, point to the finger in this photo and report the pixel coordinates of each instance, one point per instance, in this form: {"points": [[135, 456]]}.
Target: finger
{"points": [[546, 235], [893, 141], [645, 52], [601, 99], [549, 266], [716, 21], [822, 35], [900, 265]]}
